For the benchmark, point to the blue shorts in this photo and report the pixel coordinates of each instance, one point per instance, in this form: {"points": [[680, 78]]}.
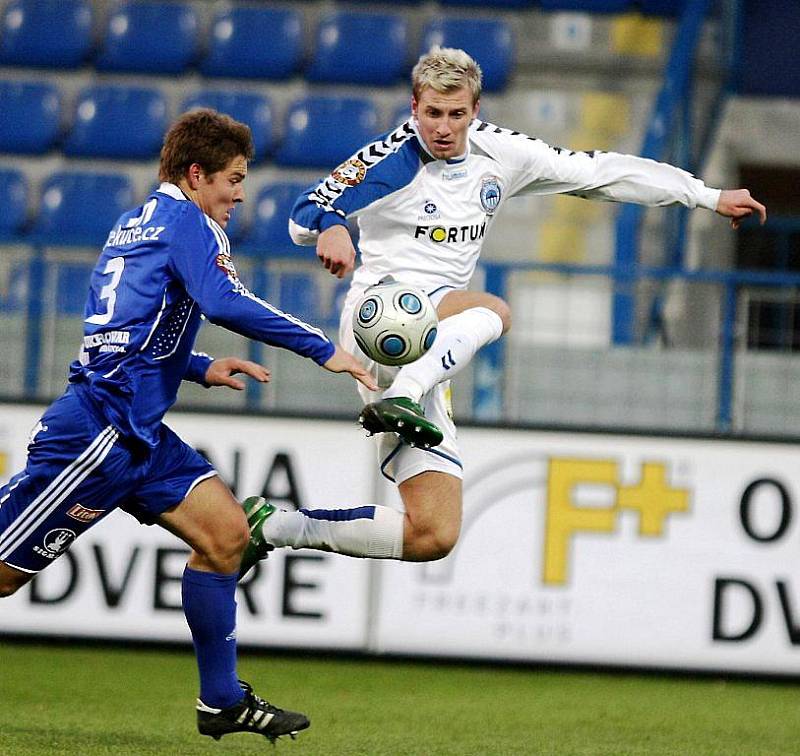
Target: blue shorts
{"points": [[78, 470]]}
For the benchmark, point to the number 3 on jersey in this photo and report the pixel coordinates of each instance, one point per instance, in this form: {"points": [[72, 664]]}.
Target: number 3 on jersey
{"points": [[115, 266]]}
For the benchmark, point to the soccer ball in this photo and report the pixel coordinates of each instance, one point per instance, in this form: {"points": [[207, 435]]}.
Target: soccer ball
{"points": [[394, 323]]}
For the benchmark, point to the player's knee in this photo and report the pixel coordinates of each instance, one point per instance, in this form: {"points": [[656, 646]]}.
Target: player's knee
{"points": [[500, 308], [236, 541], [7, 589], [445, 541], [439, 548], [504, 311], [428, 545], [9, 585], [226, 545]]}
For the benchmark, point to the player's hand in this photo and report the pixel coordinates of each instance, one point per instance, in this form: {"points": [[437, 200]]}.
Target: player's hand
{"points": [[336, 251], [221, 371], [344, 362], [737, 204]]}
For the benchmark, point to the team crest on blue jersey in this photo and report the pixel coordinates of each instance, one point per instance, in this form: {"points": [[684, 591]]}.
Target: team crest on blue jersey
{"points": [[491, 192], [350, 173]]}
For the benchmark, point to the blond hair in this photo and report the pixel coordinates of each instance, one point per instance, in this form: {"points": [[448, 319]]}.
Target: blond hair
{"points": [[445, 69]]}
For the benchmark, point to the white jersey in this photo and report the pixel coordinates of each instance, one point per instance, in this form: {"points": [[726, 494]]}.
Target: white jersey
{"points": [[423, 220]]}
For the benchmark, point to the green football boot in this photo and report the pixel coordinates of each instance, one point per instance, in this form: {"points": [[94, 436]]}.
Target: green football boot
{"points": [[257, 509], [404, 417]]}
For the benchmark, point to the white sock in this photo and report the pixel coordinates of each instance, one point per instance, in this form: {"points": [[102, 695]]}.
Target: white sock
{"points": [[371, 531], [459, 338]]}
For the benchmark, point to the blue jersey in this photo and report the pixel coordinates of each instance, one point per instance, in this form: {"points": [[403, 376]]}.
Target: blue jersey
{"points": [[166, 264]]}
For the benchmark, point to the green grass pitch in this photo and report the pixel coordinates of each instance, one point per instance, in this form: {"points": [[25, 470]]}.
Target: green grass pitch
{"points": [[108, 700]]}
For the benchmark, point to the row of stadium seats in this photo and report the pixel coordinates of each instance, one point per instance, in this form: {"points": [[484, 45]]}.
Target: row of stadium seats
{"points": [[77, 208], [253, 42], [120, 122]]}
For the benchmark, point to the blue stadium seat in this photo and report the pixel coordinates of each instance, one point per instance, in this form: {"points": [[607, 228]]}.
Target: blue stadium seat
{"points": [[487, 40], [360, 48], [253, 42], [321, 132], [269, 231], [661, 7], [71, 286], [297, 293], [400, 114], [31, 117], [492, 4], [13, 204], [292, 290], [587, 6], [117, 122], [51, 33], [81, 208], [237, 227], [253, 109], [149, 35]]}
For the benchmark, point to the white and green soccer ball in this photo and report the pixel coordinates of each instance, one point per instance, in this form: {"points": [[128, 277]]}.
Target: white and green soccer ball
{"points": [[394, 323]]}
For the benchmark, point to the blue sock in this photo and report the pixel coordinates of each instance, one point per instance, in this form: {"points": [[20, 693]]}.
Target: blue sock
{"points": [[210, 607]]}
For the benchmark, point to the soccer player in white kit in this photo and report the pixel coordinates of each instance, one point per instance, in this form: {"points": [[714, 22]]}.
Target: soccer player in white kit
{"points": [[425, 195]]}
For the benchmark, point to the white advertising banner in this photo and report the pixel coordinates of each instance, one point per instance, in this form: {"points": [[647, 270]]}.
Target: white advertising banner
{"points": [[583, 548], [612, 550], [122, 579]]}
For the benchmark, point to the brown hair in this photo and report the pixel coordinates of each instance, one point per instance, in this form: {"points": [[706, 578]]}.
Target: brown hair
{"points": [[445, 69], [206, 137]]}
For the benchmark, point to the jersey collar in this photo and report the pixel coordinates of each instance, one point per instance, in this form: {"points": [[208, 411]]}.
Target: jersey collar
{"points": [[171, 190]]}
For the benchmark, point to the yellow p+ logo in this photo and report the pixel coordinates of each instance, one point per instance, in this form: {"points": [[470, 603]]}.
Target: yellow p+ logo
{"points": [[653, 498]]}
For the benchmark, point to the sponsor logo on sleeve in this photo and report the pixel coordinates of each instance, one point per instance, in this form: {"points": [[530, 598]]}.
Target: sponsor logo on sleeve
{"points": [[350, 173], [225, 264]]}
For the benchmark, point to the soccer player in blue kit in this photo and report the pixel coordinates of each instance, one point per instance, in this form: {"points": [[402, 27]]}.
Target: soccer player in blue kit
{"points": [[103, 443]]}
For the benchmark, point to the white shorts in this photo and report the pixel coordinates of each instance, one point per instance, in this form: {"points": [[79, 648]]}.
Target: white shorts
{"points": [[398, 460]]}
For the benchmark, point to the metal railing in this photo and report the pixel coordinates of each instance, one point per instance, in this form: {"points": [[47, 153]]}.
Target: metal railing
{"points": [[488, 399], [41, 313], [672, 135]]}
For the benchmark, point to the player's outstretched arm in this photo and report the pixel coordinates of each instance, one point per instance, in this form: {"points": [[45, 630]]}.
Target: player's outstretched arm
{"points": [[335, 250], [341, 361], [737, 204], [221, 371]]}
